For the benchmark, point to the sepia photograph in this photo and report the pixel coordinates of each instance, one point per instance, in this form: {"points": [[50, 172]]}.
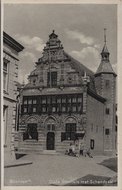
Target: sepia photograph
{"points": [[60, 119]]}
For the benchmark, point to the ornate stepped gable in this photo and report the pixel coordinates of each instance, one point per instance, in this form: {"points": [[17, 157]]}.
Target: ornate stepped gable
{"points": [[54, 52]]}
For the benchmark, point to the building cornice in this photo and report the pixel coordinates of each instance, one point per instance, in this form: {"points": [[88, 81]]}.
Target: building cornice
{"points": [[9, 98], [12, 43], [98, 74], [9, 54]]}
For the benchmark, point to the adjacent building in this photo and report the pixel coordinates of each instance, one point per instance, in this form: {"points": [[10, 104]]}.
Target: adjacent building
{"points": [[65, 102], [11, 49]]}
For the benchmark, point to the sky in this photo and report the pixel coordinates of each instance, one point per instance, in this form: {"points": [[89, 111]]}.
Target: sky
{"points": [[80, 27]]}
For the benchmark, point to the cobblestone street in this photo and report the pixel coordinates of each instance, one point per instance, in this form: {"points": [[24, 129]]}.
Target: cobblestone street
{"points": [[54, 170]]}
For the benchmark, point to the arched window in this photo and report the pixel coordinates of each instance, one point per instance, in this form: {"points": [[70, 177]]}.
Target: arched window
{"points": [[70, 129], [50, 124]]}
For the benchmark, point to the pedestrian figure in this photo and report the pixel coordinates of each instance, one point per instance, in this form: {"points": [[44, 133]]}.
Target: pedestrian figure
{"points": [[70, 149], [84, 151], [87, 152], [81, 148], [77, 149], [73, 148]]}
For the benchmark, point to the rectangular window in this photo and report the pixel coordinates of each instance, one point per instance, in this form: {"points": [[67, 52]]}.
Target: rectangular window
{"points": [[34, 101], [59, 100], [48, 127], [74, 99], [5, 66], [69, 108], [63, 108], [25, 110], [5, 113], [30, 101], [53, 127], [54, 99], [74, 108], [5, 81], [52, 79], [79, 99], [43, 109], [25, 101], [48, 100], [34, 110], [59, 108], [107, 131], [69, 100], [79, 108], [30, 108], [70, 131], [50, 103], [5, 75], [107, 111], [53, 109], [92, 144], [63, 100], [107, 83], [43, 100], [39, 109]]}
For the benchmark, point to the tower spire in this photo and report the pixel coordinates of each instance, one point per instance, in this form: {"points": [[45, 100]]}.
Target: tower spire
{"points": [[105, 52], [105, 66], [105, 35]]}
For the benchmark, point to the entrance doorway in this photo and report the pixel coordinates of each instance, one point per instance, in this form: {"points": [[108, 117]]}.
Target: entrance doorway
{"points": [[50, 141]]}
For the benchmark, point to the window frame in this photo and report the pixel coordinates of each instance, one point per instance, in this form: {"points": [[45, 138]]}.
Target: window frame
{"points": [[92, 144], [70, 131], [107, 131], [53, 78], [107, 111], [5, 74], [56, 101]]}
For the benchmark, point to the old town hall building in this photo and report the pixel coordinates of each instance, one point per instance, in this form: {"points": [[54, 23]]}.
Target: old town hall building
{"points": [[64, 101]]}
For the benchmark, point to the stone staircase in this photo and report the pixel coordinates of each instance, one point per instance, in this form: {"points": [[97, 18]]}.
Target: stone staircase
{"points": [[33, 147], [29, 146], [50, 152]]}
